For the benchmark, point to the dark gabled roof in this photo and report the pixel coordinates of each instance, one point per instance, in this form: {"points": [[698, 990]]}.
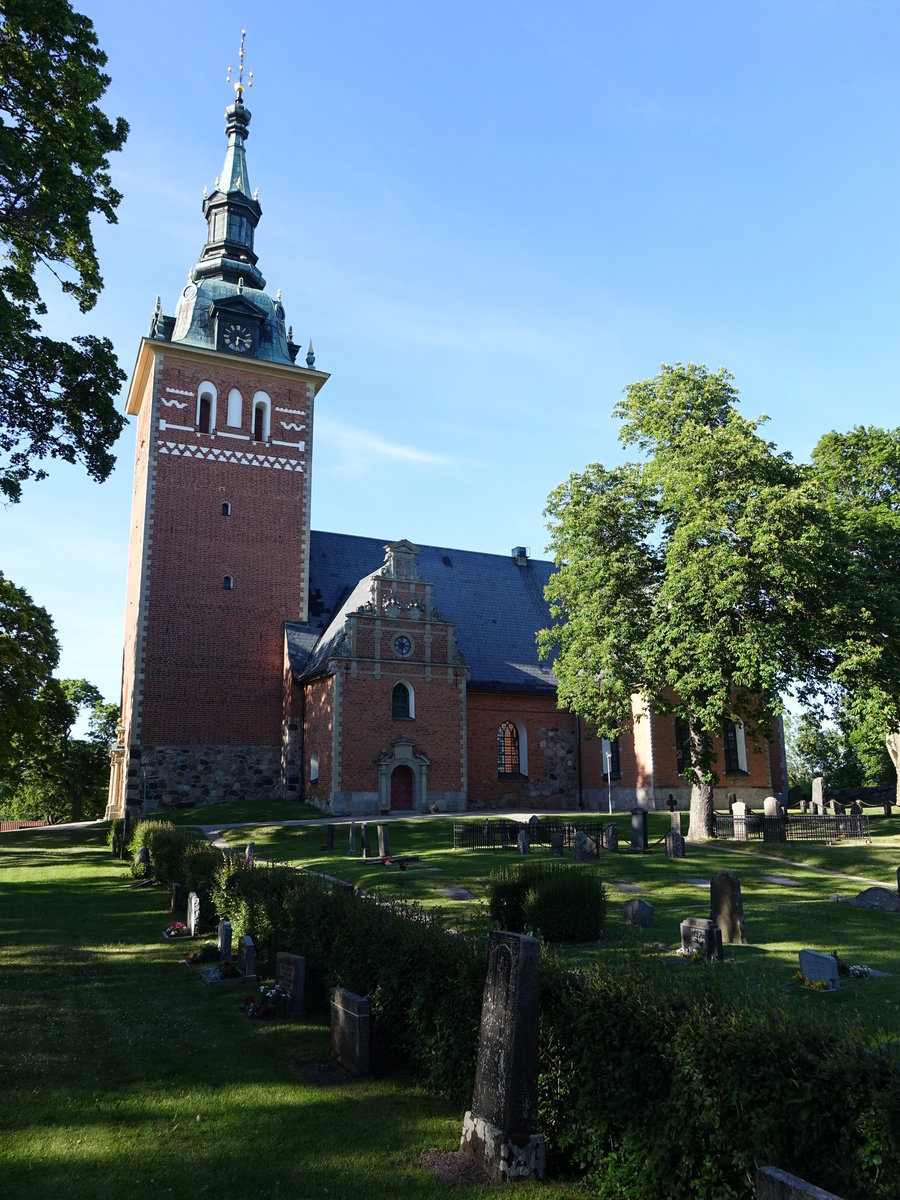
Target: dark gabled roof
{"points": [[496, 605]]}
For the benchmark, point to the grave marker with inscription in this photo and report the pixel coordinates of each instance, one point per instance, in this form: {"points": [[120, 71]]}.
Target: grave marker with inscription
{"points": [[247, 957], [350, 1030], [639, 829], [639, 912], [726, 906], [290, 976], [224, 939], [523, 842], [610, 838], [819, 967], [384, 842], [701, 936], [674, 844], [193, 914]]}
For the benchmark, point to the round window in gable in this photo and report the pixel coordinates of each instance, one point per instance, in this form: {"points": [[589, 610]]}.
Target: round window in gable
{"points": [[402, 646]]}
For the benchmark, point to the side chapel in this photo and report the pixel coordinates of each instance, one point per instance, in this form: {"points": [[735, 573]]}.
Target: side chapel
{"points": [[263, 659]]}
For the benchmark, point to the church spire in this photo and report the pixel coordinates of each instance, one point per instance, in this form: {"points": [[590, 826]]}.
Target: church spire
{"points": [[232, 212]]}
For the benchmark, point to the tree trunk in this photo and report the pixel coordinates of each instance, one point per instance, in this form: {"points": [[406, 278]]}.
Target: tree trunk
{"points": [[700, 827], [893, 747]]}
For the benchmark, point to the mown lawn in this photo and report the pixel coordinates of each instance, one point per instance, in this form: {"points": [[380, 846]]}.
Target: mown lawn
{"points": [[123, 1074], [780, 919]]}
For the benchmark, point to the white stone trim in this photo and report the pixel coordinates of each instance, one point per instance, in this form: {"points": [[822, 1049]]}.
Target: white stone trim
{"points": [[238, 437], [241, 458], [164, 424]]}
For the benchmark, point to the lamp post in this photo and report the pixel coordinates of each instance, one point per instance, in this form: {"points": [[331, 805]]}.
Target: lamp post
{"points": [[609, 779]]}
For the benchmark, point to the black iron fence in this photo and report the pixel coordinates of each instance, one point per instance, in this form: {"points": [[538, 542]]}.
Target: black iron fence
{"points": [[795, 827], [504, 834]]}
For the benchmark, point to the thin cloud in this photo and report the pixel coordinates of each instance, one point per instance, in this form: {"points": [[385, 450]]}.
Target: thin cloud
{"points": [[345, 439]]}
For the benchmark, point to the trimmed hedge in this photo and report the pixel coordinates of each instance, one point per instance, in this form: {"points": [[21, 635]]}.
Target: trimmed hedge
{"points": [[556, 901]]}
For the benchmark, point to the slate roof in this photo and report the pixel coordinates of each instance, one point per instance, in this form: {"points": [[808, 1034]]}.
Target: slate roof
{"points": [[496, 605]]}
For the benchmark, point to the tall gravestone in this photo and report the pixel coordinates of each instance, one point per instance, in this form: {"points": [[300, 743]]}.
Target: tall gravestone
{"points": [[364, 838], [675, 820], [557, 842], [674, 844], [739, 812], [610, 838], [351, 842], [384, 842], [726, 906], [534, 829], [350, 1030], [290, 976], [639, 829], [224, 939], [818, 795], [524, 843], [193, 914], [500, 1130], [176, 902], [250, 853], [247, 957], [329, 839]]}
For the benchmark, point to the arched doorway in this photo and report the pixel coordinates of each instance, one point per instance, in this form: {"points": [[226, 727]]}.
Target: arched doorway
{"points": [[401, 789]]}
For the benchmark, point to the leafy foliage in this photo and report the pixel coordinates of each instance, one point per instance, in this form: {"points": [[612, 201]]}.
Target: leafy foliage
{"points": [[29, 652], [557, 901], [813, 748], [57, 398], [166, 846]]}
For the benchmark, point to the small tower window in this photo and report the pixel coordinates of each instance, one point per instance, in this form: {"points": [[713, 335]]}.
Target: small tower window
{"points": [[235, 409], [228, 583], [206, 408], [226, 508], [203, 420], [402, 702], [261, 410]]}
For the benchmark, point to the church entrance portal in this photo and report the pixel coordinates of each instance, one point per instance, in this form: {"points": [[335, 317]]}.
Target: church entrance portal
{"points": [[401, 789]]}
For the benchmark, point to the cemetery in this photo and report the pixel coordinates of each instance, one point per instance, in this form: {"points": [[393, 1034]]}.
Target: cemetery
{"points": [[368, 976]]}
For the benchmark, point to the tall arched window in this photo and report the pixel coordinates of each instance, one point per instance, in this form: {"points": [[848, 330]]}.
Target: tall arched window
{"points": [[402, 702], [507, 749], [262, 408], [314, 766], [235, 409], [206, 408]]}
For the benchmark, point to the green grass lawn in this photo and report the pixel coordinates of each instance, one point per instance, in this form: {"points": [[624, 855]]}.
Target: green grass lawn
{"points": [[237, 811], [123, 1073], [780, 920]]}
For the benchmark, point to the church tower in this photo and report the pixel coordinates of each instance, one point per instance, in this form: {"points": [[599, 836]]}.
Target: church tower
{"points": [[219, 549]]}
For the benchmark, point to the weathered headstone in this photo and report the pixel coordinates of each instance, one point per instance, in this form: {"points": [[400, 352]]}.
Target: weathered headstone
{"points": [[224, 940], [557, 842], [610, 838], [818, 794], [524, 845], [739, 813], [350, 1030], [856, 807], [193, 914], [774, 1184], [351, 843], [701, 936], [804, 806], [726, 906], [585, 847], [384, 842], [675, 821], [500, 1130], [250, 853], [142, 858], [820, 967], [534, 829], [290, 976], [364, 839], [246, 957], [731, 798], [771, 808], [877, 897], [176, 903], [639, 829], [674, 844], [639, 912], [329, 839]]}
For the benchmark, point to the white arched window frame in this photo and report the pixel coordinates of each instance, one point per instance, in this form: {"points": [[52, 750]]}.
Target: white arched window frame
{"points": [[522, 747], [235, 409], [261, 404], [410, 714], [207, 391]]}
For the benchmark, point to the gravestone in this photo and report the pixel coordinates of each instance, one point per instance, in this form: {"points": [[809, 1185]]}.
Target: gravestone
{"points": [[774, 1184], [856, 808], [726, 906], [534, 829], [804, 807], [610, 838], [351, 844], [887, 808], [523, 843], [364, 839], [585, 847], [675, 820], [176, 903], [739, 812], [329, 839], [290, 976], [701, 936], [639, 912], [224, 941], [674, 845], [500, 1130], [818, 794], [557, 842], [250, 853], [877, 897], [193, 914], [142, 858], [816, 966], [671, 803], [350, 1030], [731, 798], [771, 808], [639, 829], [384, 842], [246, 957]]}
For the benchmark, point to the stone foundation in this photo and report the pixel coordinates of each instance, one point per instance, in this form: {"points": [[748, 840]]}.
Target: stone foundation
{"points": [[161, 777], [522, 1158]]}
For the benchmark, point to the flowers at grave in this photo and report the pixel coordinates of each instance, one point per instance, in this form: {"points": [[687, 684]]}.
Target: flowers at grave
{"points": [[270, 1003], [177, 929], [814, 985]]}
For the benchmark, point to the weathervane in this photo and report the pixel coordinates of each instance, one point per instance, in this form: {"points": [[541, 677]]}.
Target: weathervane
{"points": [[239, 86]]}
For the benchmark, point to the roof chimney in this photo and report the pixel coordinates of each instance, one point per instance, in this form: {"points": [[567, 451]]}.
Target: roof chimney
{"points": [[520, 555]]}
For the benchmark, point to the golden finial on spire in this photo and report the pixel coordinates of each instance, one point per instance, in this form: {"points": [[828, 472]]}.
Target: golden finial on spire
{"points": [[239, 86]]}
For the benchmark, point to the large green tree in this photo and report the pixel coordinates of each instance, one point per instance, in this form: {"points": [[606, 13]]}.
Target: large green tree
{"points": [[60, 776], [57, 398], [29, 652], [691, 578]]}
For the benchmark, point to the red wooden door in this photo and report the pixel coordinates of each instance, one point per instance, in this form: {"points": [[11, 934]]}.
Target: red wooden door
{"points": [[401, 788]]}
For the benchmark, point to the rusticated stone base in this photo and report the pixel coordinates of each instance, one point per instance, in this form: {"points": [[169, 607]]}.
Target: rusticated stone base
{"points": [[172, 775], [522, 1158]]}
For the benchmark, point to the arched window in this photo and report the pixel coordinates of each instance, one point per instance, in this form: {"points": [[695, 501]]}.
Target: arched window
{"points": [[314, 766], [235, 409], [206, 408], [507, 749], [226, 508], [735, 748], [612, 765], [402, 703], [262, 407], [228, 583]]}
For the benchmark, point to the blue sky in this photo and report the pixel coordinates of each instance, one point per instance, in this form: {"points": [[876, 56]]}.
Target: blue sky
{"points": [[491, 217]]}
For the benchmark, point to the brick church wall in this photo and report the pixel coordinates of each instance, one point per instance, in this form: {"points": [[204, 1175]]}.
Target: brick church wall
{"points": [[318, 738]]}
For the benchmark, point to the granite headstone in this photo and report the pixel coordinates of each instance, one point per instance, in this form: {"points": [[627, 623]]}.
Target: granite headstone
{"points": [[726, 906]]}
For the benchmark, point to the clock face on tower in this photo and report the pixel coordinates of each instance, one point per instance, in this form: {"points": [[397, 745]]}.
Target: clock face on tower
{"points": [[238, 337]]}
